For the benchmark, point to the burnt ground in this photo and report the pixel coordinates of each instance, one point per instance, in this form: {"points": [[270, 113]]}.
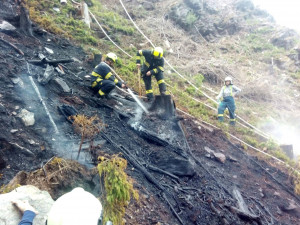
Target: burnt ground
{"points": [[198, 189]]}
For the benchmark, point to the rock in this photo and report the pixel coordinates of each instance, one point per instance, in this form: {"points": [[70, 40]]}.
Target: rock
{"points": [[50, 51], [195, 4], [56, 9], [13, 131], [148, 5], [62, 84], [208, 150], [176, 166], [27, 117], [6, 27], [286, 39], [40, 200], [47, 76], [220, 157], [289, 206], [230, 158], [18, 81], [277, 194]]}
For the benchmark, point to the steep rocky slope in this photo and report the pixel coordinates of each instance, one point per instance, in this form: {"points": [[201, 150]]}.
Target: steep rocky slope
{"points": [[209, 179], [221, 38]]}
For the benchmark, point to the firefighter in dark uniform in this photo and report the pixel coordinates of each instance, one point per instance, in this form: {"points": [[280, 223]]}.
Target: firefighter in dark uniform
{"points": [[103, 81], [153, 65]]}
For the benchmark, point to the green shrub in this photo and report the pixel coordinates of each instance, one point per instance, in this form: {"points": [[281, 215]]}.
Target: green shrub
{"points": [[118, 188]]}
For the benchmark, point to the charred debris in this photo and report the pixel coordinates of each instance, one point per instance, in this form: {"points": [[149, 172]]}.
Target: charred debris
{"points": [[191, 174]]}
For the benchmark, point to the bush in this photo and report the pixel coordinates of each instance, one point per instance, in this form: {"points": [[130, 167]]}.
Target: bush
{"points": [[118, 187]]}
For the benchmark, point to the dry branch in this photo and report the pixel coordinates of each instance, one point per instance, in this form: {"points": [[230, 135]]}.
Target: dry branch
{"points": [[12, 45]]}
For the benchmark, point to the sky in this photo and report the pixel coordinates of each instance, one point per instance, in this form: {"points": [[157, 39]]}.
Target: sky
{"points": [[285, 12]]}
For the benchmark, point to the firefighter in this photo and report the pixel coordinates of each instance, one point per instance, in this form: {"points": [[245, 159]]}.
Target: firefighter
{"points": [[103, 81], [153, 65], [226, 100]]}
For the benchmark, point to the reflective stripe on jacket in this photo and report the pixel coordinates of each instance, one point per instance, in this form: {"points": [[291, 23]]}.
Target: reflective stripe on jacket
{"points": [[151, 64]]}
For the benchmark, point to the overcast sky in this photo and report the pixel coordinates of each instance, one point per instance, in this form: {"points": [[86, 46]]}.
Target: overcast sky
{"points": [[285, 12]]}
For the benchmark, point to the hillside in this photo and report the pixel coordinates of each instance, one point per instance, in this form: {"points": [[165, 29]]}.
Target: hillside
{"points": [[186, 171]]}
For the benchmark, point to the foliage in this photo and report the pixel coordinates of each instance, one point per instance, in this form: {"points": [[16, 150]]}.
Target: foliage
{"points": [[66, 22], [118, 187], [198, 79], [191, 18], [87, 127], [8, 188]]}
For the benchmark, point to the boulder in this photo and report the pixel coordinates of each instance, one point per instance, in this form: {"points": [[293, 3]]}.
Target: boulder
{"points": [[62, 85], [47, 76], [40, 200], [285, 39], [27, 117], [6, 27], [148, 6], [177, 166], [195, 4], [220, 157]]}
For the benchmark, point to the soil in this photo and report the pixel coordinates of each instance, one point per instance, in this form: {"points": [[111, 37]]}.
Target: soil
{"points": [[201, 190]]}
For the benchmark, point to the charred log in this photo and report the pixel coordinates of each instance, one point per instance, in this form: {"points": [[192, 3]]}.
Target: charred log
{"points": [[50, 62], [25, 22]]}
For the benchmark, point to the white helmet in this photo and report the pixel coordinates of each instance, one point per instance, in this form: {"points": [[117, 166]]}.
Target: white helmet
{"points": [[228, 79], [77, 207], [112, 56]]}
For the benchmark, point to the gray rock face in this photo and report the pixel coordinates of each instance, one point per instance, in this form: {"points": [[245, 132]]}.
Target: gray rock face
{"points": [[6, 26], [40, 200], [286, 39], [27, 117], [177, 166], [195, 4], [62, 85], [148, 5]]}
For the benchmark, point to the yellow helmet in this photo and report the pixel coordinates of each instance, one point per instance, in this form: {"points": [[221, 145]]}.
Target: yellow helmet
{"points": [[112, 56], [158, 52]]}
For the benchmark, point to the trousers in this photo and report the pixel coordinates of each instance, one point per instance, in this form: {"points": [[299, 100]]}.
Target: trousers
{"points": [[103, 87], [160, 81], [228, 102]]}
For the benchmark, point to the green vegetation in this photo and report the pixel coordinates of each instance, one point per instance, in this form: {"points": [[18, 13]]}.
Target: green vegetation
{"points": [[117, 187], [8, 188], [191, 18], [68, 23]]}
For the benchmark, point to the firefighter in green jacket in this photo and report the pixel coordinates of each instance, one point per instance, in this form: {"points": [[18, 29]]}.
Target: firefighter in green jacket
{"points": [[103, 81], [153, 65]]}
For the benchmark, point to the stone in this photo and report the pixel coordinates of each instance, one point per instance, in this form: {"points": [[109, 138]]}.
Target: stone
{"points": [[27, 117], [13, 131], [208, 150], [148, 5], [220, 157], [40, 200], [50, 51], [289, 206], [56, 9], [277, 194], [47, 76], [18, 81], [62, 84], [177, 166], [230, 158], [6, 27]]}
